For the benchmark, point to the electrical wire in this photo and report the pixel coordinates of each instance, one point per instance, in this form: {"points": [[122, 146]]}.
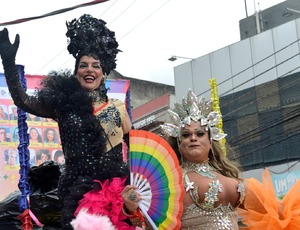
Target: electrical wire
{"points": [[255, 131], [21, 20], [122, 12], [119, 39], [108, 9], [250, 79], [288, 169], [260, 61], [292, 115], [247, 94], [145, 19], [56, 56]]}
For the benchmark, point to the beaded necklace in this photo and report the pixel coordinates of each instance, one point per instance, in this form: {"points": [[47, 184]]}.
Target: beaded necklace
{"points": [[203, 169], [96, 96]]}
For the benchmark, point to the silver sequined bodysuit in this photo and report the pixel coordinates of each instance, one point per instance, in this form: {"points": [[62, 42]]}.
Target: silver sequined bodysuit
{"points": [[204, 215]]}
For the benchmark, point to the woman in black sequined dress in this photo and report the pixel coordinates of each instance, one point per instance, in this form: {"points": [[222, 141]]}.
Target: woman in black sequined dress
{"points": [[91, 126]]}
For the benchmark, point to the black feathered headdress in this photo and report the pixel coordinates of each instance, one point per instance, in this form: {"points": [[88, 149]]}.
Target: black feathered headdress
{"points": [[88, 35]]}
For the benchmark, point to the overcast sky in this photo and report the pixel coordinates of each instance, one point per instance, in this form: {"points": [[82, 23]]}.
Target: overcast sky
{"points": [[148, 31]]}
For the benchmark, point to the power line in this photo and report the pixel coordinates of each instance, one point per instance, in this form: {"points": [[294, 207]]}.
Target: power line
{"points": [[246, 95], [145, 19], [264, 59], [108, 8], [122, 12], [287, 169], [292, 83], [267, 70], [21, 20], [290, 116], [136, 26], [44, 66]]}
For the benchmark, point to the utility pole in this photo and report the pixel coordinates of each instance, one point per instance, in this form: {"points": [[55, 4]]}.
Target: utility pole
{"points": [[245, 1], [258, 30]]}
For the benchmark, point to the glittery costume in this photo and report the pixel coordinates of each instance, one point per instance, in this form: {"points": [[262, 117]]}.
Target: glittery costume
{"points": [[208, 212], [211, 194], [111, 115], [91, 140], [82, 137]]}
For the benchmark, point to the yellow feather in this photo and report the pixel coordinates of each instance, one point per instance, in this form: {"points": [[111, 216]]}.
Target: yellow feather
{"points": [[214, 97]]}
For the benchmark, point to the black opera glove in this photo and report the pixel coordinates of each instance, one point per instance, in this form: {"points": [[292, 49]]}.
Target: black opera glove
{"points": [[8, 50]]}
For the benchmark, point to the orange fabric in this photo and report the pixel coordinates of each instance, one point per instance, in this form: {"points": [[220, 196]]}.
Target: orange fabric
{"points": [[96, 110], [263, 210]]}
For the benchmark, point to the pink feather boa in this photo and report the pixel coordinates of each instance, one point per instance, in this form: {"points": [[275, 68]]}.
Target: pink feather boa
{"points": [[86, 221], [102, 209]]}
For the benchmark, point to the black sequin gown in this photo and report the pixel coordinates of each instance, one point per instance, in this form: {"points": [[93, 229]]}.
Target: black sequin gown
{"points": [[82, 137]]}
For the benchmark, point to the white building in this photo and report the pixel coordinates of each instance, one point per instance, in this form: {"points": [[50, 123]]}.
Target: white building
{"points": [[260, 77]]}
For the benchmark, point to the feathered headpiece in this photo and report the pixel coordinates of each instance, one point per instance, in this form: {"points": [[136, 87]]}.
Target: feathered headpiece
{"points": [[194, 109], [89, 35]]}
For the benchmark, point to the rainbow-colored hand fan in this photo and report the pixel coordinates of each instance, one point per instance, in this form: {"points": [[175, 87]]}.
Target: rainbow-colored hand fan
{"points": [[155, 170]]}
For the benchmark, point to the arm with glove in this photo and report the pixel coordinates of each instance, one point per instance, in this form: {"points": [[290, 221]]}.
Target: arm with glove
{"points": [[8, 51]]}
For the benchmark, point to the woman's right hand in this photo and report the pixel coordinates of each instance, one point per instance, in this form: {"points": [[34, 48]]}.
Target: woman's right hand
{"points": [[8, 50], [130, 198]]}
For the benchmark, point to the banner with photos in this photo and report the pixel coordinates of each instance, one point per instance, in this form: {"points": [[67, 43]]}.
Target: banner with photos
{"points": [[43, 132]]}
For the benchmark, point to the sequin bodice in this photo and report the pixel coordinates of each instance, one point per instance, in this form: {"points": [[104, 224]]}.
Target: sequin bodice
{"points": [[220, 218], [111, 116], [203, 213]]}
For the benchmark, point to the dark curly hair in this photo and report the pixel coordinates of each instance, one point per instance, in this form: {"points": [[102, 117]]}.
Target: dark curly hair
{"points": [[89, 36]]}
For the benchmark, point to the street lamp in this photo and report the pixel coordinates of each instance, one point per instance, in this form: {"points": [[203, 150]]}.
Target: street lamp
{"points": [[174, 58], [296, 11], [289, 12]]}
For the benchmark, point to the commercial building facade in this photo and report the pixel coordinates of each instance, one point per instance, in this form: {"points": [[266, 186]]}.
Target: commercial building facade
{"points": [[259, 92]]}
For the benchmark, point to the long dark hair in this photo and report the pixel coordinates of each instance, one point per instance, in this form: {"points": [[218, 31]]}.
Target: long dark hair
{"points": [[39, 138]]}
